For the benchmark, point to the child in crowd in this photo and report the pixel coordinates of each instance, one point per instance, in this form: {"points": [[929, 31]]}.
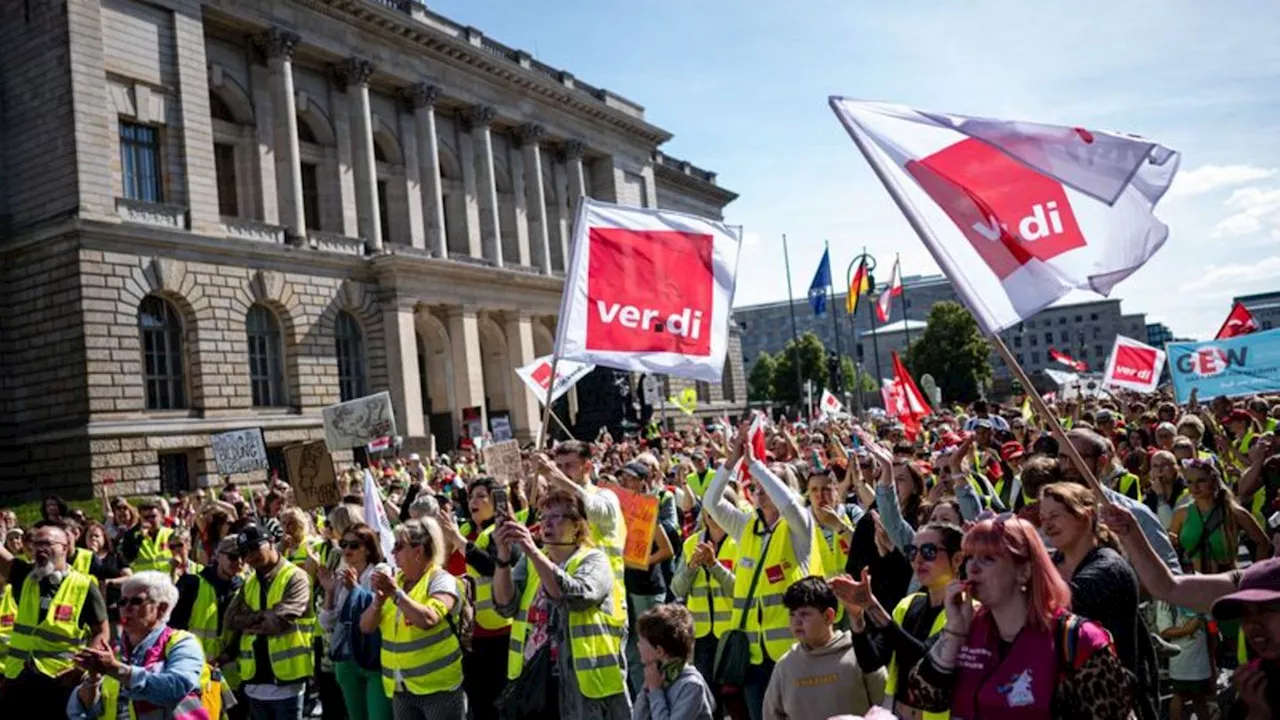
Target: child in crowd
{"points": [[673, 687], [1191, 671], [819, 676]]}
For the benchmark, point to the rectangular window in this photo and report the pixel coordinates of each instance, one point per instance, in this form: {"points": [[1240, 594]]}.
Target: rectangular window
{"points": [[1048, 338], [224, 167], [1020, 360], [1033, 340], [311, 195], [384, 225], [1064, 336], [175, 474], [1062, 320], [140, 162], [1097, 350], [1093, 317], [1035, 358], [1017, 341], [1079, 318]]}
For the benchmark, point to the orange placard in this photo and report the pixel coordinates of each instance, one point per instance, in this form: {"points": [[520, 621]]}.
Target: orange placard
{"points": [[641, 515]]}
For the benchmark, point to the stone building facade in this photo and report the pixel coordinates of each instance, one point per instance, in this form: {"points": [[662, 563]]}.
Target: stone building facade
{"points": [[228, 213]]}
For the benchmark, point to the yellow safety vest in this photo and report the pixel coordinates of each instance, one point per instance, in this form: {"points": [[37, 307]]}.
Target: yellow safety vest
{"points": [[82, 561], [710, 605], [153, 554], [204, 625], [899, 614], [290, 651], [595, 638], [50, 642], [1242, 448], [8, 614], [185, 708], [699, 484], [1128, 481], [429, 661], [768, 622], [486, 616], [299, 558], [612, 545]]}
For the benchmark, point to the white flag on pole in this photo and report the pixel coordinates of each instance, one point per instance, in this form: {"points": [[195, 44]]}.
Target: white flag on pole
{"points": [[830, 404], [375, 516], [648, 291], [1029, 212], [537, 376]]}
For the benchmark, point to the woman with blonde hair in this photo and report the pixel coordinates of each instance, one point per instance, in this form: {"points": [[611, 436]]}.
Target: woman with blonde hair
{"points": [[1207, 530], [566, 614]]}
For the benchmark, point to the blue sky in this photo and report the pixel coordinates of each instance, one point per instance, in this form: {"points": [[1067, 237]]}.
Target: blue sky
{"points": [[743, 86]]}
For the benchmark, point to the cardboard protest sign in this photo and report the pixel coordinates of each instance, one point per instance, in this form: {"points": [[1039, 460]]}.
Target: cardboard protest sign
{"points": [[311, 475], [239, 451], [359, 422], [502, 460], [641, 515]]}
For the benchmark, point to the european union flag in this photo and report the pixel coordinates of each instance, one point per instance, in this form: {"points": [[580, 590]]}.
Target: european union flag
{"points": [[820, 285]]}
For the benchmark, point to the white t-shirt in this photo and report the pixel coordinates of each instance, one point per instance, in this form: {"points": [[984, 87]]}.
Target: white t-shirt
{"points": [[1192, 664]]}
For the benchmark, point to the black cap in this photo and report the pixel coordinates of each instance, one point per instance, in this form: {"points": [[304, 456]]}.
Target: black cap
{"points": [[251, 538]]}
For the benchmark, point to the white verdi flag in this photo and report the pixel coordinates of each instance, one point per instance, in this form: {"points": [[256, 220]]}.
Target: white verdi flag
{"points": [[375, 515], [649, 291], [830, 404], [1034, 210], [537, 375], [1134, 365]]}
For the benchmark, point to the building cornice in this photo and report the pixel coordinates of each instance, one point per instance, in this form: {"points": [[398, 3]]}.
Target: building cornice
{"points": [[469, 47], [664, 174]]}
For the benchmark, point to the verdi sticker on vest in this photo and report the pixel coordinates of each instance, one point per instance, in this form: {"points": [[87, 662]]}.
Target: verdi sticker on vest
{"points": [[62, 613], [774, 574]]}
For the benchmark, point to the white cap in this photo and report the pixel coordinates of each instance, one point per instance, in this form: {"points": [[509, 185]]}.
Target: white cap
{"points": [[414, 456]]}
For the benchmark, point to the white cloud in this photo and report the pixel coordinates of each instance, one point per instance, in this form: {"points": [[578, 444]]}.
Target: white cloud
{"points": [[1254, 209], [1208, 178], [1227, 279]]}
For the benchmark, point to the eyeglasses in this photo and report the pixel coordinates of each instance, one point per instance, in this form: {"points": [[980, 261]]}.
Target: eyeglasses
{"points": [[559, 517], [135, 601], [928, 551], [351, 545], [46, 543]]}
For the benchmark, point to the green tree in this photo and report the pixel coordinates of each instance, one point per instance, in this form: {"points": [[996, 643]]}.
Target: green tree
{"points": [[850, 370], [760, 384], [954, 351], [813, 366]]}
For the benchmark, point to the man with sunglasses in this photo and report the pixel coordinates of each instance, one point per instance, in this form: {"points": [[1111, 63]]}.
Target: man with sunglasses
{"points": [[203, 599], [60, 611]]}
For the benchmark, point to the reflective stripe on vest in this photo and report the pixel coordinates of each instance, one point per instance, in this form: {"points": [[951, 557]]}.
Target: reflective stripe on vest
{"points": [[705, 595], [768, 623], [8, 614], [486, 616], [50, 642], [428, 661], [153, 554], [595, 639], [899, 614], [289, 652]]}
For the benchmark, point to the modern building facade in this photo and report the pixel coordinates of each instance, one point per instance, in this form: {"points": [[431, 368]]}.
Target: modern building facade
{"points": [[225, 214], [1265, 308]]}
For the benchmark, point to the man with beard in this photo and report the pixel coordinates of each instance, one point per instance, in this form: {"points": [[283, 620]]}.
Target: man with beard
{"points": [[60, 611]]}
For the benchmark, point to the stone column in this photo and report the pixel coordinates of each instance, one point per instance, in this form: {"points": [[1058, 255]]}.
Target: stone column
{"points": [[422, 99], [277, 45], [520, 199], [536, 197], [573, 150], [264, 144], [354, 74], [468, 371], [525, 407], [564, 210], [479, 117], [402, 369], [411, 180], [471, 198]]}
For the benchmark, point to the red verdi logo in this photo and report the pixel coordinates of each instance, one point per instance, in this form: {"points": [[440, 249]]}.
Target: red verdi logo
{"points": [[1135, 363], [649, 291], [1009, 213], [542, 375]]}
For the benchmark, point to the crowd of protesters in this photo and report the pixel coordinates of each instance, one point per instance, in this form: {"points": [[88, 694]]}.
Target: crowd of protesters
{"points": [[972, 567]]}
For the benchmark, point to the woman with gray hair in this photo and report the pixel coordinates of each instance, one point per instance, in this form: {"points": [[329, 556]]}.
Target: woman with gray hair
{"points": [[159, 671]]}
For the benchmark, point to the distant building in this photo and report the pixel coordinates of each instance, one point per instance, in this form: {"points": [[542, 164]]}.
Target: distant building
{"points": [[1264, 306], [1158, 334], [1085, 331]]}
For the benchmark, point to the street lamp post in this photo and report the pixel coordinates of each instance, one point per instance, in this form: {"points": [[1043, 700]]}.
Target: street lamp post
{"points": [[870, 263]]}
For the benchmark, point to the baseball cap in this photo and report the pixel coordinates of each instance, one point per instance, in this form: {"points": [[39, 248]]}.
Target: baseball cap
{"points": [[982, 423], [1011, 451], [251, 538], [229, 545], [1260, 583], [1239, 416]]}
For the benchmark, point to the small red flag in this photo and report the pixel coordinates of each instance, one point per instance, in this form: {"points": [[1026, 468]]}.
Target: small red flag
{"points": [[1239, 322], [1065, 359]]}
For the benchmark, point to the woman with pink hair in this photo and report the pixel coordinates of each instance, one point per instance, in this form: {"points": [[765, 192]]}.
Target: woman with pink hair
{"points": [[1010, 646]]}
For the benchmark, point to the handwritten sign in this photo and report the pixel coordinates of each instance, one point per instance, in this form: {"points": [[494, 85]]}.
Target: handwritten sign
{"points": [[502, 460], [359, 422], [311, 475], [641, 515], [239, 451]]}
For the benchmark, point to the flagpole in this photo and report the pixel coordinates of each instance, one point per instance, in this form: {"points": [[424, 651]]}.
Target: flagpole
{"points": [[835, 319], [875, 333], [795, 337], [546, 403], [930, 242], [562, 425], [902, 295]]}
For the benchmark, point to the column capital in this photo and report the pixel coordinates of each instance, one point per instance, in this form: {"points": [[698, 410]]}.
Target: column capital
{"points": [[572, 150], [353, 71], [420, 95], [478, 116], [462, 311], [275, 43], [530, 133]]}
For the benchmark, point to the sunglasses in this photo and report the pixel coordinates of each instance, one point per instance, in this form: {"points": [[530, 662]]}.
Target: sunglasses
{"points": [[928, 551], [135, 601], [351, 545]]}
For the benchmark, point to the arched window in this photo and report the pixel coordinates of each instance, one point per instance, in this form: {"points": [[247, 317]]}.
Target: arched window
{"points": [[349, 345], [162, 373], [266, 358]]}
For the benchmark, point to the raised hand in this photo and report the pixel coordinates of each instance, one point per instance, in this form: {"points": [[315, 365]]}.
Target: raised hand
{"points": [[853, 594], [959, 607]]}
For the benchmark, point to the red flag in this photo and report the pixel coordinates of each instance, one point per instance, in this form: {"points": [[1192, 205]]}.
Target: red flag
{"points": [[755, 438], [1239, 322], [1065, 359], [885, 303], [909, 407]]}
